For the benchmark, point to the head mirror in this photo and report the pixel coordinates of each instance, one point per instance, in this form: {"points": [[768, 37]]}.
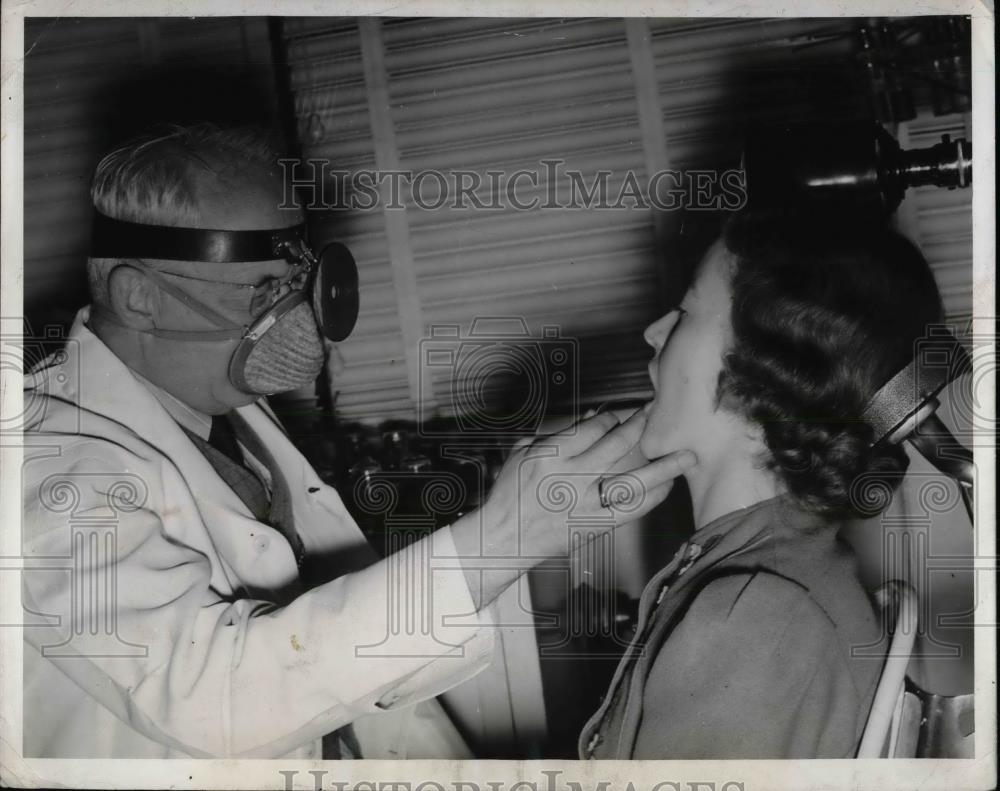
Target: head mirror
{"points": [[335, 292]]}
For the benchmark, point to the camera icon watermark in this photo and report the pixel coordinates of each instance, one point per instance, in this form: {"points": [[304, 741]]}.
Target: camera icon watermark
{"points": [[967, 360], [45, 360], [500, 380]]}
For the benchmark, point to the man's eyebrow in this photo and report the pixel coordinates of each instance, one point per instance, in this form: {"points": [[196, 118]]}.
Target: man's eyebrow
{"points": [[270, 272], [233, 273]]}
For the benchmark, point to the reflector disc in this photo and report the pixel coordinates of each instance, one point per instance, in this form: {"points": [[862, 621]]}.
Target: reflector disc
{"points": [[335, 292]]}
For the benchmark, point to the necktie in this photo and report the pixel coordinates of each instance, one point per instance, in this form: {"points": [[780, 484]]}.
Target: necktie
{"points": [[222, 437], [341, 743], [222, 451], [280, 514]]}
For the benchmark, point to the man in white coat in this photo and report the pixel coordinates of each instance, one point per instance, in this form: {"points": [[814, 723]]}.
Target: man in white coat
{"points": [[168, 519]]}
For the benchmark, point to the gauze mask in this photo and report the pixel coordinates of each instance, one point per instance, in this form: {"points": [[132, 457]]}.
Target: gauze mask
{"points": [[282, 348]]}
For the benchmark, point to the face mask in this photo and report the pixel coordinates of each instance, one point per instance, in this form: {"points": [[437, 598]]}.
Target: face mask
{"points": [[282, 348]]}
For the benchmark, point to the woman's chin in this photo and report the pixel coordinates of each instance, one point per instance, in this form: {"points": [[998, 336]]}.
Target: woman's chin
{"points": [[652, 446], [658, 440]]}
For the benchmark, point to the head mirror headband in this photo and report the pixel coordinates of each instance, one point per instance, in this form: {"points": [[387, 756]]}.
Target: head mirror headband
{"points": [[335, 283]]}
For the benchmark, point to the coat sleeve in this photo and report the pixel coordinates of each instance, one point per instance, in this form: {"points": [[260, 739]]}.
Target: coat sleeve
{"points": [[753, 670], [213, 674]]}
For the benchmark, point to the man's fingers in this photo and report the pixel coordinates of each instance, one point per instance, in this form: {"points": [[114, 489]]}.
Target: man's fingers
{"points": [[580, 436], [648, 500], [615, 444], [629, 500], [665, 468], [634, 493]]}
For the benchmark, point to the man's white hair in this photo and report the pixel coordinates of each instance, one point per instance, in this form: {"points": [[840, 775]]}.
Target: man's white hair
{"points": [[153, 179]]}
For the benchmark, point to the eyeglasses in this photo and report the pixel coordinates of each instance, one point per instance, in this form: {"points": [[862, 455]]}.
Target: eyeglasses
{"points": [[271, 290], [267, 293]]}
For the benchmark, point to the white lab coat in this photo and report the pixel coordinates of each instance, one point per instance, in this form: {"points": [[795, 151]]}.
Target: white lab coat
{"points": [[212, 650]]}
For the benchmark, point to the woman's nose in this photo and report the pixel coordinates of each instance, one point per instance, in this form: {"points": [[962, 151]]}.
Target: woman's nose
{"points": [[656, 334]]}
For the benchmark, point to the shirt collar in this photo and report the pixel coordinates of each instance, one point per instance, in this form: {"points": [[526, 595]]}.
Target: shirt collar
{"points": [[721, 525], [774, 510]]}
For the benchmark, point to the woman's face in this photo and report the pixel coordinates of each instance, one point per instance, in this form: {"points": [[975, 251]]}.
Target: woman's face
{"points": [[688, 344]]}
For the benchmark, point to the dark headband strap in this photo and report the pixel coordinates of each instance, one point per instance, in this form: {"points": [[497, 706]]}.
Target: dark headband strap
{"points": [[938, 361], [120, 239]]}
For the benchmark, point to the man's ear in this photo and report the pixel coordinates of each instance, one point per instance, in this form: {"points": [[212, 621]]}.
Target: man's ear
{"points": [[134, 299]]}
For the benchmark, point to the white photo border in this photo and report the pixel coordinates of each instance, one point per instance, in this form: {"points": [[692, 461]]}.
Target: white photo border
{"points": [[952, 774]]}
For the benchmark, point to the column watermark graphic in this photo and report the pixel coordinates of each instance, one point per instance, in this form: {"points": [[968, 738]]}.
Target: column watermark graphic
{"points": [[87, 617]]}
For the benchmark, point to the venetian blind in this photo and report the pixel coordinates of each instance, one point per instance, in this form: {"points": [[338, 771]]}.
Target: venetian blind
{"points": [[90, 81], [508, 95]]}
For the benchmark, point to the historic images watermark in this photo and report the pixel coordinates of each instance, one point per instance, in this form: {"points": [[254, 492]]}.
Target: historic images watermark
{"points": [[318, 184], [319, 780]]}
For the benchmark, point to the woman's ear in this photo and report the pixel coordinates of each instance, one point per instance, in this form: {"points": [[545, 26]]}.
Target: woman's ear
{"points": [[755, 431], [728, 403], [133, 297]]}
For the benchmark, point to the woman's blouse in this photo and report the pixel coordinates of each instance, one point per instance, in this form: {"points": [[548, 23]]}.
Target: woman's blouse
{"points": [[756, 641]]}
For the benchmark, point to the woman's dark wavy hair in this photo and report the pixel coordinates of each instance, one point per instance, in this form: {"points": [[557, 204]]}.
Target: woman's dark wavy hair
{"points": [[825, 311]]}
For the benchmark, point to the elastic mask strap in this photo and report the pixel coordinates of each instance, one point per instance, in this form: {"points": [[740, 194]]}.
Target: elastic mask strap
{"points": [[178, 335], [198, 335], [233, 331]]}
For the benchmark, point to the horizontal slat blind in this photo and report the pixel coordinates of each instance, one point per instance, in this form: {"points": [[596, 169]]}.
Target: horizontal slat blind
{"points": [[75, 70], [70, 65], [482, 95], [506, 94], [697, 60], [940, 220], [718, 76], [544, 89], [331, 107]]}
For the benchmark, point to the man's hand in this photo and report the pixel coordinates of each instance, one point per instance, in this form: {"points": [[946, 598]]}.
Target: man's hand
{"points": [[551, 482]]}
